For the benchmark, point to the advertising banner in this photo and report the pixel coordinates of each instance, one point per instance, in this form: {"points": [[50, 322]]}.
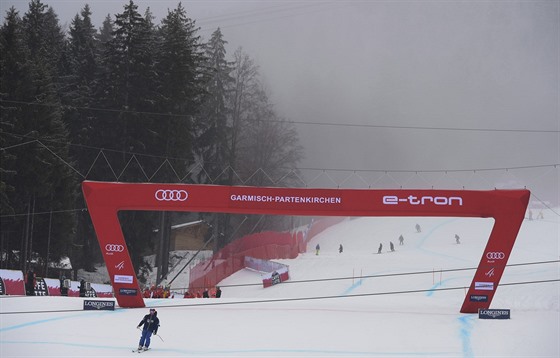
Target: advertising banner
{"points": [[487, 313], [478, 298], [105, 200], [272, 272], [91, 305], [276, 277], [13, 282], [41, 288]]}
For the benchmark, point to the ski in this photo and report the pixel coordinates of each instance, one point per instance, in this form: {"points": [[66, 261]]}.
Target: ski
{"points": [[140, 351]]}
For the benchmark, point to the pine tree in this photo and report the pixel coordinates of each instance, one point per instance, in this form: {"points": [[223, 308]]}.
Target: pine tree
{"points": [[213, 129], [243, 98], [105, 33], [80, 85], [13, 76], [269, 143], [78, 95], [266, 147], [128, 91], [178, 64], [43, 180], [127, 86]]}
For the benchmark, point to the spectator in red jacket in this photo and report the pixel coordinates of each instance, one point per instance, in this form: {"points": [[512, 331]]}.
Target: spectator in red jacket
{"points": [[147, 293]]}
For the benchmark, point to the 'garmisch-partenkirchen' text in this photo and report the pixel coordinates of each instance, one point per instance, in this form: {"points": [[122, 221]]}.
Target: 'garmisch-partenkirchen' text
{"points": [[286, 199]]}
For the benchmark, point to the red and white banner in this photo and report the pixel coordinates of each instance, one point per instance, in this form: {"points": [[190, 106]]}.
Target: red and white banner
{"points": [[11, 283], [272, 272], [105, 200]]}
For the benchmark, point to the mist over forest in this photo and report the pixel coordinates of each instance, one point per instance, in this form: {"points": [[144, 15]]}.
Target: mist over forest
{"points": [[353, 94]]}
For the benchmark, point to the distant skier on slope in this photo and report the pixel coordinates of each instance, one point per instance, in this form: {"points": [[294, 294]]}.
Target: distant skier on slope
{"points": [[340, 249], [457, 239], [418, 229], [317, 248], [151, 325], [401, 240], [391, 246], [380, 248]]}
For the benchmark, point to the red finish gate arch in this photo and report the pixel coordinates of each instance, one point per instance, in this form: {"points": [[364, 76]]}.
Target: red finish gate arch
{"points": [[105, 200]]}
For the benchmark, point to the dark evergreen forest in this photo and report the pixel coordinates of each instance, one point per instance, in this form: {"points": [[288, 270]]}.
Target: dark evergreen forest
{"points": [[131, 101]]}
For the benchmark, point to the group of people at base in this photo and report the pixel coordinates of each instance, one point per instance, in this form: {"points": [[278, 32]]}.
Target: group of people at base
{"points": [[165, 292], [31, 283], [214, 293], [65, 287], [157, 292]]}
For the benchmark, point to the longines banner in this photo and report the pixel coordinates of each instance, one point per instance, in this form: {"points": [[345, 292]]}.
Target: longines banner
{"points": [[95, 305], [105, 200], [494, 313]]}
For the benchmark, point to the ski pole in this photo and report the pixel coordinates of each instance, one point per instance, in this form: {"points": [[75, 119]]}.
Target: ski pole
{"points": [[159, 337]]}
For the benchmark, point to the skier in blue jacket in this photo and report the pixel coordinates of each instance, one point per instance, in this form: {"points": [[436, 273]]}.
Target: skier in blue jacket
{"points": [[151, 325]]}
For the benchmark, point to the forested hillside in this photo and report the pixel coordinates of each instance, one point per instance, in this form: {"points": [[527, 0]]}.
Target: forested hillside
{"points": [[130, 101]]}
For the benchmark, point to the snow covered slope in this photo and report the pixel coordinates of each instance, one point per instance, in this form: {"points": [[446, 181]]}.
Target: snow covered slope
{"points": [[355, 316]]}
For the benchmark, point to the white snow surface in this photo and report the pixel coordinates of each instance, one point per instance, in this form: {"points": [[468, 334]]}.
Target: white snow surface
{"points": [[353, 317]]}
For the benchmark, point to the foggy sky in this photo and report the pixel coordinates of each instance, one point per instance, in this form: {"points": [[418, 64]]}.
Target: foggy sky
{"points": [[431, 64]]}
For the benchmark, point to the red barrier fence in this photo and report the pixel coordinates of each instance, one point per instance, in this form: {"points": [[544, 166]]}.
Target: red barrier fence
{"points": [[14, 285], [318, 226], [266, 245]]}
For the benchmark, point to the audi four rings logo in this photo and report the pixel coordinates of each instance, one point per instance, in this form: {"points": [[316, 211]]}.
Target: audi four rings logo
{"points": [[114, 248], [171, 195], [495, 255]]}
